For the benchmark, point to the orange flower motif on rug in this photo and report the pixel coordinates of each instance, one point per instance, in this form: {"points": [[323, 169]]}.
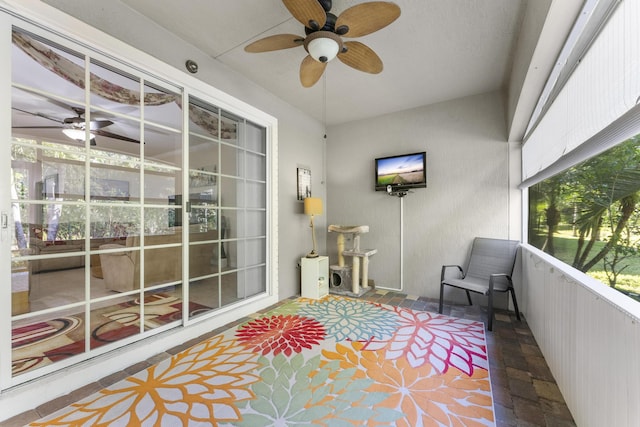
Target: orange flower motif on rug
{"points": [[422, 394], [200, 385]]}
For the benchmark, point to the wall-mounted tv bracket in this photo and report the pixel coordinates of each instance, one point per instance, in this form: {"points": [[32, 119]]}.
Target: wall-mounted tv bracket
{"points": [[399, 193]]}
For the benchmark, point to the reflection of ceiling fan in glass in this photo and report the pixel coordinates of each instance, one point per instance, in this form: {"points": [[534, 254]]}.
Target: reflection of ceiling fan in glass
{"points": [[75, 127]]}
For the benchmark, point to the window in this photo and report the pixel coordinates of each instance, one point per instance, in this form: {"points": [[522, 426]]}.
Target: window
{"points": [[589, 216]]}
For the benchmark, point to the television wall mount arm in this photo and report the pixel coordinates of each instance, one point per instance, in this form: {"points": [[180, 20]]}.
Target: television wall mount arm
{"points": [[398, 193]]}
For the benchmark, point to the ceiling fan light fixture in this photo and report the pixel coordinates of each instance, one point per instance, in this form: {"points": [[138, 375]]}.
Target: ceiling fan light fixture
{"points": [[323, 46], [77, 134]]}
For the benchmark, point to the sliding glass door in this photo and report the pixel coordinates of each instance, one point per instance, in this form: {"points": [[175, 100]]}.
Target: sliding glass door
{"points": [[118, 232], [227, 210]]}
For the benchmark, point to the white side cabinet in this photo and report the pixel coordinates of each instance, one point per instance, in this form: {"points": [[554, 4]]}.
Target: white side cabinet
{"points": [[315, 277]]}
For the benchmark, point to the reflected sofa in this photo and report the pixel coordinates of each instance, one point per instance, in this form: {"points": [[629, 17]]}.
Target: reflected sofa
{"points": [[43, 247], [121, 269]]}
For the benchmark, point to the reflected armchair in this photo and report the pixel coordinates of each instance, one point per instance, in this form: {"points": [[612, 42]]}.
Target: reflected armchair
{"points": [[489, 269]]}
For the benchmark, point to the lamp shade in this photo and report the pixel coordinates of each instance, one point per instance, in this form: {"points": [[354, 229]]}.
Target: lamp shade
{"points": [[323, 49], [77, 134], [312, 206]]}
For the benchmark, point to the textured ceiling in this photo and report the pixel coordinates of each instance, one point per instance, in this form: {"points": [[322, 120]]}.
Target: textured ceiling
{"points": [[436, 51]]}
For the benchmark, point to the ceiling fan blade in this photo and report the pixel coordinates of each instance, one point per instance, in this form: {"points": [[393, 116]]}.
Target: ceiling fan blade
{"points": [[308, 12], [366, 18], [99, 124], [361, 57], [277, 42], [311, 71], [115, 136], [38, 115], [37, 127]]}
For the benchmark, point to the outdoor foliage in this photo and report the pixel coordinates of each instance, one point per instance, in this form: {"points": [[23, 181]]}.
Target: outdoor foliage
{"points": [[589, 216]]}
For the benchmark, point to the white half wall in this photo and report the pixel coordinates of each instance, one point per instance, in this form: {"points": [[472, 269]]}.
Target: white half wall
{"points": [[469, 190]]}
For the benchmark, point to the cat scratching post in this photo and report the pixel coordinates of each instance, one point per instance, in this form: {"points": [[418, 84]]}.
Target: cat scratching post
{"points": [[341, 270]]}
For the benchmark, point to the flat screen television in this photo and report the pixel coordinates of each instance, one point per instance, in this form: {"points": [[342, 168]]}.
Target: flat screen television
{"points": [[401, 172]]}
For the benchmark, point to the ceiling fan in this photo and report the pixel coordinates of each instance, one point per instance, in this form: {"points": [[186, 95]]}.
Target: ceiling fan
{"points": [[75, 127], [324, 32]]}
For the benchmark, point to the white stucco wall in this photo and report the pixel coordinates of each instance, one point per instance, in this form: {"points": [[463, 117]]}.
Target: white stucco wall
{"points": [[469, 190]]}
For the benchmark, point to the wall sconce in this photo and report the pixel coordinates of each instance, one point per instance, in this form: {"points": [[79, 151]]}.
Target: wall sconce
{"points": [[312, 207]]}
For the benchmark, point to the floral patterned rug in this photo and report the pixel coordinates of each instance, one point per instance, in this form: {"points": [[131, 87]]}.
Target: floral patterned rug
{"points": [[330, 362]]}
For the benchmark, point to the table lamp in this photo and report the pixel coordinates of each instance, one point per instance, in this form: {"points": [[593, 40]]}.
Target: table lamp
{"points": [[312, 207]]}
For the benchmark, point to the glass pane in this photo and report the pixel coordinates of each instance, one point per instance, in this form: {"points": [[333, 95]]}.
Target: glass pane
{"points": [[53, 172], [255, 281], [256, 138], [20, 287], [230, 128], [161, 107], [117, 144], [37, 226], [166, 236], [230, 225], [255, 224], [64, 81], [250, 282], [112, 227], [175, 213], [56, 282], [231, 192], [40, 118], [98, 283], [204, 259], [231, 160], [54, 228], [40, 342], [23, 161], [62, 175], [114, 320], [162, 146], [204, 119], [113, 222], [256, 167], [203, 188], [120, 268], [114, 90], [114, 185], [203, 155], [204, 295], [162, 265], [230, 288], [161, 185], [162, 307], [157, 221], [256, 195], [253, 252], [203, 217]]}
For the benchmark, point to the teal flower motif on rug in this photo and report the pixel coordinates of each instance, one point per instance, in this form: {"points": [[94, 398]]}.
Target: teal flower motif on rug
{"points": [[295, 392], [352, 320]]}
